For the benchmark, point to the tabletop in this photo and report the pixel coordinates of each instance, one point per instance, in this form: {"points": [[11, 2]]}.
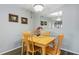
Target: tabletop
{"points": [[44, 40]]}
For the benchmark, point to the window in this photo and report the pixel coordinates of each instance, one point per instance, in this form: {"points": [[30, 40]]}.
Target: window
{"points": [[58, 24]]}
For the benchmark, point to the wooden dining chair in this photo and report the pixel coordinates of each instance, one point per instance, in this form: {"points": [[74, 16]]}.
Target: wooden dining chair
{"points": [[56, 46], [30, 47], [23, 43]]}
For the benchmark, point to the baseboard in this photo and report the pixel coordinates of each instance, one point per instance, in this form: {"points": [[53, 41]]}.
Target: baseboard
{"points": [[12, 50], [9, 50], [69, 51]]}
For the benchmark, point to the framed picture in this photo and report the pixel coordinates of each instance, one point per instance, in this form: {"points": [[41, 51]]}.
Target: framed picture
{"points": [[24, 20], [13, 18], [42, 23], [45, 22]]}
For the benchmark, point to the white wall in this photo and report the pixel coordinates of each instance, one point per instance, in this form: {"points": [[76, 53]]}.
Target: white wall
{"points": [[11, 33], [71, 28]]}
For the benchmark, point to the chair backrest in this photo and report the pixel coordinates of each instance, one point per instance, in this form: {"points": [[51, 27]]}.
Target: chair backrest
{"points": [[60, 38], [27, 37], [24, 35]]}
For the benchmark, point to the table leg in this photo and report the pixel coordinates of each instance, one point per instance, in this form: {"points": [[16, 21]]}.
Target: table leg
{"points": [[43, 50]]}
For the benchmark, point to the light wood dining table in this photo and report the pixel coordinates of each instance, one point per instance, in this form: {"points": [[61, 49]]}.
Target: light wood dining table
{"points": [[42, 41]]}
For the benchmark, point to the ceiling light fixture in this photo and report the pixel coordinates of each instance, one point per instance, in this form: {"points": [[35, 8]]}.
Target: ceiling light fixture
{"points": [[54, 14], [58, 19], [59, 13], [38, 7]]}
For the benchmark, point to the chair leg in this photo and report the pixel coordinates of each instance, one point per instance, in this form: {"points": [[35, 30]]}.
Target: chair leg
{"points": [[21, 50], [27, 53], [32, 52]]}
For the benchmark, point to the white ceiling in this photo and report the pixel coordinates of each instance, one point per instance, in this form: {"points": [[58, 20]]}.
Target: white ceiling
{"points": [[48, 8]]}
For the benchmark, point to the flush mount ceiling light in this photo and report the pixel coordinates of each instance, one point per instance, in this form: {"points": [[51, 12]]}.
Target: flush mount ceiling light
{"points": [[38, 7], [58, 19], [54, 14], [59, 13]]}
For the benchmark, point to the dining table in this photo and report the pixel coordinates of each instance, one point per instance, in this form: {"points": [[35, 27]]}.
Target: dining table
{"points": [[42, 41]]}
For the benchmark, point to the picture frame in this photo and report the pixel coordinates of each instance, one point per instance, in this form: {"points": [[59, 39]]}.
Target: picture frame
{"points": [[24, 20], [13, 18], [43, 23]]}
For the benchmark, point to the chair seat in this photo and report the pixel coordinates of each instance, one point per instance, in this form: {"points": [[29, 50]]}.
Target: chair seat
{"points": [[35, 49], [52, 51]]}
